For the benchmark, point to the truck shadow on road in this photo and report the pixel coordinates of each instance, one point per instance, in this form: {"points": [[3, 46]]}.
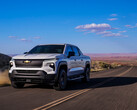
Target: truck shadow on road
{"points": [[77, 85], [106, 82]]}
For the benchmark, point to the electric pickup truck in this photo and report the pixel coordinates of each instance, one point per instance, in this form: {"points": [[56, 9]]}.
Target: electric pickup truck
{"points": [[53, 64]]}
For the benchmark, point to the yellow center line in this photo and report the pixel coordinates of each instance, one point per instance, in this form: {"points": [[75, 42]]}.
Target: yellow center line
{"points": [[66, 99], [58, 100], [61, 100], [125, 72]]}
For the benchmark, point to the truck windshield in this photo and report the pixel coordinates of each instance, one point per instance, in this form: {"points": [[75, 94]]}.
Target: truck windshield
{"points": [[47, 49]]}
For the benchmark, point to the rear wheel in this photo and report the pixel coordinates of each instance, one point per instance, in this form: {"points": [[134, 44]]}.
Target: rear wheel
{"points": [[86, 75], [17, 84], [62, 81]]}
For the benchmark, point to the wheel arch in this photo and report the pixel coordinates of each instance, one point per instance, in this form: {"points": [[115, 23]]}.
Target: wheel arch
{"points": [[87, 65], [61, 65]]}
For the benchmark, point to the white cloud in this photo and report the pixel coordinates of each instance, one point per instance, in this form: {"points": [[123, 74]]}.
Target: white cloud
{"points": [[130, 26], [108, 33], [127, 25], [112, 19], [100, 29], [122, 31], [24, 40], [36, 37], [113, 15], [94, 27], [12, 36], [104, 32], [111, 34]]}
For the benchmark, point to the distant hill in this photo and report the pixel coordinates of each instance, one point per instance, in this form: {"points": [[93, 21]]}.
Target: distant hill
{"points": [[111, 54], [12, 55], [4, 60], [119, 58]]}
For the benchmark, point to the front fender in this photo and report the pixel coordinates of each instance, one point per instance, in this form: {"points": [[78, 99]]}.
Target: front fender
{"points": [[58, 68]]}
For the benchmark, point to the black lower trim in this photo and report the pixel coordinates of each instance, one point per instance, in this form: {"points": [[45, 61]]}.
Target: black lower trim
{"points": [[34, 78]]}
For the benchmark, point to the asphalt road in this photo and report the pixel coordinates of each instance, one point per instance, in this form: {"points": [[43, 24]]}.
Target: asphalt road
{"points": [[114, 89]]}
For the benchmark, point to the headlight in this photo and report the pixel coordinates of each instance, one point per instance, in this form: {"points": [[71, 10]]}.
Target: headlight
{"points": [[51, 65], [11, 64]]}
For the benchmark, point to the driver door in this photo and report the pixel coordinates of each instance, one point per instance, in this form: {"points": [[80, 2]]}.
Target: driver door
{"points": [[71, 61]]}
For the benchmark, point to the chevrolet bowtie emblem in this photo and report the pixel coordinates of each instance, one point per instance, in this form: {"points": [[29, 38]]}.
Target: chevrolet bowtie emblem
{"points": [[26, 61]]}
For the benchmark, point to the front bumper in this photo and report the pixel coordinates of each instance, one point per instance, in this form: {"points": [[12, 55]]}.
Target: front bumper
{"points": [[32, 76]]}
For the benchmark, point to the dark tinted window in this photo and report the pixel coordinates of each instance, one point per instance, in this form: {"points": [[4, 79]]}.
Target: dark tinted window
{"points": [[75, 50], [80, 51], [69, 49], [47, 49]]}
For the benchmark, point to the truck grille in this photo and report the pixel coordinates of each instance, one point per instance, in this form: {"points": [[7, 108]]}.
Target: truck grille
{"points": [[29, 63], [27, 71]]}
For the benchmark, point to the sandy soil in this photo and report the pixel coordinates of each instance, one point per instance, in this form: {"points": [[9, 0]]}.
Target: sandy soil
{"points": [[4, 79]]}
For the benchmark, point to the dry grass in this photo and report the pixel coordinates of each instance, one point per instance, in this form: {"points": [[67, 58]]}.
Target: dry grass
{"points": [[101, 65], [96, 70], [4, 79]]}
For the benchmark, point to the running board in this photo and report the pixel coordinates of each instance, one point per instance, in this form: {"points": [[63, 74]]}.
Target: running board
{"points": [[71, 79]]}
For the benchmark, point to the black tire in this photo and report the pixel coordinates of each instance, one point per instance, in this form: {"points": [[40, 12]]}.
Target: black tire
{"points": [[17, 85], [62, 81], [86, 75]]}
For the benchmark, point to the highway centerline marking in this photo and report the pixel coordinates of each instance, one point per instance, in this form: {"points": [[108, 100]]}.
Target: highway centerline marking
{"points": [[73, 95]]}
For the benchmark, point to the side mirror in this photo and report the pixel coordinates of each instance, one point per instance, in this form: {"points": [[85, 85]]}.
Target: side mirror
{"points": [[25, 52], [71, 54]]}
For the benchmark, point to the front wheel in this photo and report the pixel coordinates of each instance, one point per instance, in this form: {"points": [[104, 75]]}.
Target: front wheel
{"points": [[62, 81], [86, 75], [17, 85]]}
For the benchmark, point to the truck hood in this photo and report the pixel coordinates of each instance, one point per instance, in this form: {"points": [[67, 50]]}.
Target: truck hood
{"points": [[38, 56]]}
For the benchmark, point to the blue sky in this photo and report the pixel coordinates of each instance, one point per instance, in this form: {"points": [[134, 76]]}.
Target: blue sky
{"points": [[101, 26]]}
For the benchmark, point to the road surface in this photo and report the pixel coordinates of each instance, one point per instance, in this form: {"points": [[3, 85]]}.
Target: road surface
{"points": [[114, 89]]}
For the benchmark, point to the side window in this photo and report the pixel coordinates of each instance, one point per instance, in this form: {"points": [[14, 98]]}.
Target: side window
{"points": [[69, 49], [80, 51], [75, 50]]}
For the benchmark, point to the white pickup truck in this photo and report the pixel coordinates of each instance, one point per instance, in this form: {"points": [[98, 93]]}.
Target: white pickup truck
{"points": [[53, 64]]}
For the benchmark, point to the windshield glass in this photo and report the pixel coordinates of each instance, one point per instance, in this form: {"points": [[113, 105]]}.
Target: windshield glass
{"points": [[47, 49]]}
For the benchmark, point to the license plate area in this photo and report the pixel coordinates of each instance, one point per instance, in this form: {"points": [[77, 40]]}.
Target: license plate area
{"points": [[28, 80]]}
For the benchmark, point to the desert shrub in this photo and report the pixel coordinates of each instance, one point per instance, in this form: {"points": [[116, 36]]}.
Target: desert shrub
{"points": [[105, 65], [101, 65]]}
